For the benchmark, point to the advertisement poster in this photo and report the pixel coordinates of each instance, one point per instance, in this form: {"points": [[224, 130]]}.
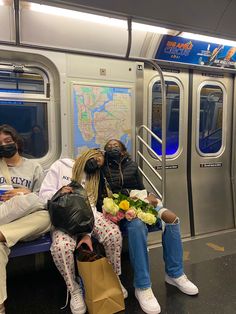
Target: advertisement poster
{"points": [[178, 49]]}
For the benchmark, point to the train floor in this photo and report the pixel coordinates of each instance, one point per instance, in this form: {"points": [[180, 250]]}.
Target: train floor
{"points": [[210, 262]]}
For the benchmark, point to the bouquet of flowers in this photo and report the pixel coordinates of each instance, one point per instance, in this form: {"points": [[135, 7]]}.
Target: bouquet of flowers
{"points": [[120, 206]]}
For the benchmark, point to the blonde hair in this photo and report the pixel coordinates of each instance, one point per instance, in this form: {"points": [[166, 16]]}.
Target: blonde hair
{"points": [[92, 181]]}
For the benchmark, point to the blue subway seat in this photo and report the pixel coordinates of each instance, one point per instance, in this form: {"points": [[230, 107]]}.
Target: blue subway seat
{"points": [[39, 245], [43, 243]]}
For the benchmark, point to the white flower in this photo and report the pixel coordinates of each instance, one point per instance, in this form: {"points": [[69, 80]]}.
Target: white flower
{"points": [[148, 218], [110, 206]]}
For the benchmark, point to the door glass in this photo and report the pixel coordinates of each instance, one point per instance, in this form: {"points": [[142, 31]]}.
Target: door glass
{"points": [[210, 119], [173, 107]]}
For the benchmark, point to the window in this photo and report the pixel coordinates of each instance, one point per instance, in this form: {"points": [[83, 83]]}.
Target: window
{"points": [[24, 105], [173, 108], [210, 119], [17, 81]]}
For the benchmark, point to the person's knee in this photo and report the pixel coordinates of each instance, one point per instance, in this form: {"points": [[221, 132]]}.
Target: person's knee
{"points": [[42, 219], [169, 217], [61, 245], [42, 215]]}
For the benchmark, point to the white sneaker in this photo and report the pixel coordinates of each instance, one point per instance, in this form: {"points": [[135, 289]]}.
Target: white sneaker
{"points": [[182, 282], [77, 304], [147, 301], [125, 292]]}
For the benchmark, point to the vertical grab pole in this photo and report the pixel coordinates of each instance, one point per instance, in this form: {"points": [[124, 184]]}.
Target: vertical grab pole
{"points": [[163, 125]]}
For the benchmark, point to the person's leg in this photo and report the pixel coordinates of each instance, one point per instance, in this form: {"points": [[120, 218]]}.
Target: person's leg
{"points": [[137, 240], [25, 228], [32, 225], [172, 250], [62, 250], [4, 252], [168, 216], [18, 207], [108, 233], [173, 257]]}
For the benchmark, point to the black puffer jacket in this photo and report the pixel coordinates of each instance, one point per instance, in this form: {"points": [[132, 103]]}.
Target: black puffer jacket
{"points": [[122, 176]]}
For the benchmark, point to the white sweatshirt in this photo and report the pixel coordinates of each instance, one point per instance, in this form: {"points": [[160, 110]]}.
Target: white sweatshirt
{"points": [[58, 175]]}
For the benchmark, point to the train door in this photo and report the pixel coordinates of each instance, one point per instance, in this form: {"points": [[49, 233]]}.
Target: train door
{"points": [[177, 111], [211, 152]]}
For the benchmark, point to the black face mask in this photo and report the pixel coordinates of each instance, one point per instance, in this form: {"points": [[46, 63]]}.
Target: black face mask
{"points": [[91, 166], [8, 151], [114, 153]]}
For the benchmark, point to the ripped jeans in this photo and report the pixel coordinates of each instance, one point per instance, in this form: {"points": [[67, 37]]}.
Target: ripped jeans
{"points": [[137, 240]]}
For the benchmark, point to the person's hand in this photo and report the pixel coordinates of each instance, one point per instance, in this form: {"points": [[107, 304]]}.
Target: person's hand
{"points": [[86, 240], [11, 193], [152, 200], [66, 189]]}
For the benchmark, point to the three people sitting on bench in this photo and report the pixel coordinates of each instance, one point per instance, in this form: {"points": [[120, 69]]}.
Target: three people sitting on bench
{"points": [[30, 220]]}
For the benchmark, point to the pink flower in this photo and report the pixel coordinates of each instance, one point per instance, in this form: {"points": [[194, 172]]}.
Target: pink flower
{"points": [[111, 217], [120, 215], [130, 214]]}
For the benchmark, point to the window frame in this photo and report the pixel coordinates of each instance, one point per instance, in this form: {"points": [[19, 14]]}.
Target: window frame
{"points": [[181, 102], [224, 114], [46, 98]]}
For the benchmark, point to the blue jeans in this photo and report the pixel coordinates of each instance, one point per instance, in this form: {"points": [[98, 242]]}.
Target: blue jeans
{"points": [[137, 240]]}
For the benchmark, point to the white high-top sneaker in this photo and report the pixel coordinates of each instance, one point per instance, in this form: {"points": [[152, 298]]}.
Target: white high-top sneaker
{"points": [[183, 283], [147, 301], [125, 292], [77, 304]]}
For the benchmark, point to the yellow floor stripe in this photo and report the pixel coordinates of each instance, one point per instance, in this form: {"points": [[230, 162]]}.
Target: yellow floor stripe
{"points": [[215, 247], [186, 256]]}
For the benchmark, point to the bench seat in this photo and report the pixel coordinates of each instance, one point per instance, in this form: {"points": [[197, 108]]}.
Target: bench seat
{"points": [[43, 243], [39, 245]]}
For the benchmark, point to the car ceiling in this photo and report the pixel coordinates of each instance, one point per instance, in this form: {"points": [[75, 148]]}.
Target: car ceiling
{"points": [[208, 17]]}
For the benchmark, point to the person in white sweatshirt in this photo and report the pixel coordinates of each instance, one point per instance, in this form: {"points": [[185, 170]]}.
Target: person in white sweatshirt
{"points": [[86, 170]]}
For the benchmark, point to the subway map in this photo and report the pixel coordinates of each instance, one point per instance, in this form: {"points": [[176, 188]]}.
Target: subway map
{"points": [[100, 113]]}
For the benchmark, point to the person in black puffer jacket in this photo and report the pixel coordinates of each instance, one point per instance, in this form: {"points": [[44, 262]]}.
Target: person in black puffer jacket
{"points": [[121, 172], [122, 175]]}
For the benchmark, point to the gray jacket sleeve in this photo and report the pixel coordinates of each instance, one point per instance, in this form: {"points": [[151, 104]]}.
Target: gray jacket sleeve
{"points": [[38, 178]]}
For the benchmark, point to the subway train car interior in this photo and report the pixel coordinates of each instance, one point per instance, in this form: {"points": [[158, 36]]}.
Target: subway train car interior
{"points": [[159, 76]]}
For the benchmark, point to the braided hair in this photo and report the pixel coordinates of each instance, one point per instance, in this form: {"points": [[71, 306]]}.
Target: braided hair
{"points": [[92, 180]]}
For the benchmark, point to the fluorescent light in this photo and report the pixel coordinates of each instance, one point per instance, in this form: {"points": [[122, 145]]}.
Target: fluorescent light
{"points": [[78, 15], [93, 18], [209, 39], [149, 28]]}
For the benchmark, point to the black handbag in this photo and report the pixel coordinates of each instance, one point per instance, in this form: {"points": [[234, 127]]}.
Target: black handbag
{"points": [[71, 212]]}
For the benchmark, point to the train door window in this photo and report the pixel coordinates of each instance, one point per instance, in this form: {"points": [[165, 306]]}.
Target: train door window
{"points": [[210, 113], [24, 105], [173, 116]]}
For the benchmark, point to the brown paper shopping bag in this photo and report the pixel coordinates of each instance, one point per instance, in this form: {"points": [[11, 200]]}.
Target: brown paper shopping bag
{"points": [[103, 294]]}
